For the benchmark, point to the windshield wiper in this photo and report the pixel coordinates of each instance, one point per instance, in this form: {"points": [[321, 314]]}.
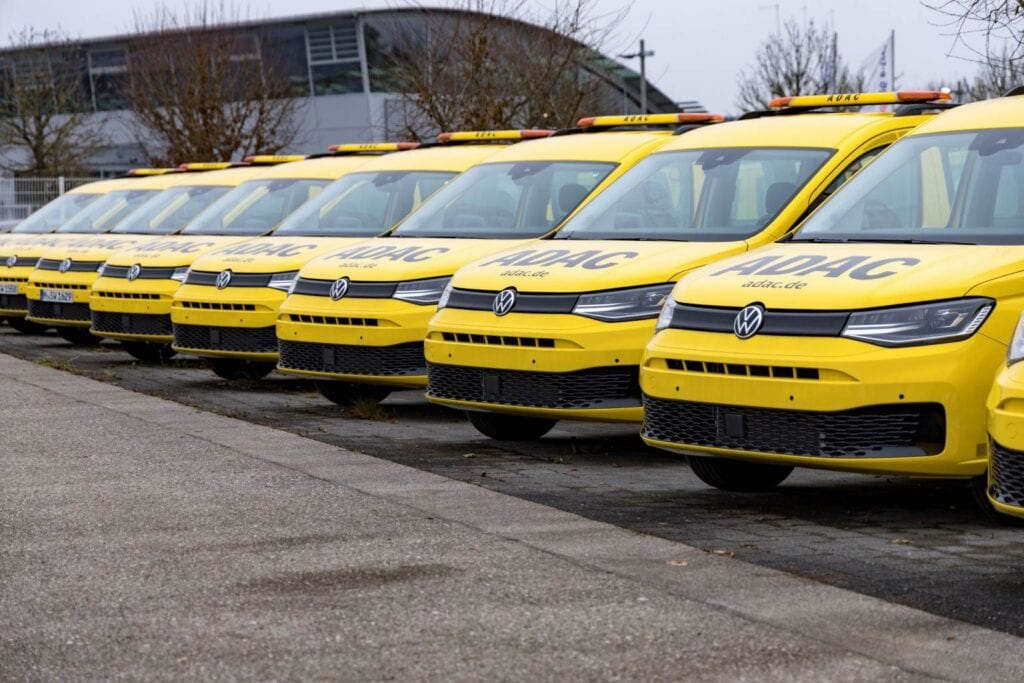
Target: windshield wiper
{"points": [[878, 240]]}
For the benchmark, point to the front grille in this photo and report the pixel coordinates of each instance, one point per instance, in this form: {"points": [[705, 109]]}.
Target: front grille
{"points": [[74, 266], [145, 273], [743, 369], [132, 323], [788, 323], [20, 261], [356, 289], [1007, 481], [498, 340], [609, 387], [209, 279], [58, 285], [525, 302], [882, 431], [332, 320], [126, 295], [13, 302], [238, 339], [50, 311], [400, 360], [208, 306]]}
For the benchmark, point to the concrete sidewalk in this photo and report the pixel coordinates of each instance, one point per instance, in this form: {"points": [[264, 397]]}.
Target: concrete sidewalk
{"points": [[142, 538]]}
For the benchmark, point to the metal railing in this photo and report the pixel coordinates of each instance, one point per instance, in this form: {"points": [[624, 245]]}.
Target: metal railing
{"points": [[20, 196]]}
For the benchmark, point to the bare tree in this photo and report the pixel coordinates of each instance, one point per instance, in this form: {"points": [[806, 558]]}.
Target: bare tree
{"points": [[800, 61], [202, 87], [983, 29], [45, 115], [495, 64]]}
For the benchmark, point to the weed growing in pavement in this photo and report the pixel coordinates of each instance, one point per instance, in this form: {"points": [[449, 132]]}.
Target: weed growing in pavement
{"points": [[55, 364], [368, 409]]}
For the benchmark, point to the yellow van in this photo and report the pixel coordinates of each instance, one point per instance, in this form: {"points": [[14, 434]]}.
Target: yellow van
{"points": [[58, 288], [227, 308], [131, 300], [357, 317], [21, 248], [869, 339], [556, 330], [1005, 484]]}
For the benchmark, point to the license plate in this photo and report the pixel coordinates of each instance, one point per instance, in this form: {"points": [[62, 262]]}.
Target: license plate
{"points": [[8, 288], [57, 296]]}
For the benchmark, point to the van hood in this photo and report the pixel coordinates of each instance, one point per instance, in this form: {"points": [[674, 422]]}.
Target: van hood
{"points": [[94, 247], [589, 265], [848, 276], [28, 246], [391, 259], [269, 254], [171, 251]]}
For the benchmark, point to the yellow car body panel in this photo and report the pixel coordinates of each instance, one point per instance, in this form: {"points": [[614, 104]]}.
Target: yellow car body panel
{"points": [[1006, 438], [196, 307], [902, 407], [480, 342], [337, 326]]}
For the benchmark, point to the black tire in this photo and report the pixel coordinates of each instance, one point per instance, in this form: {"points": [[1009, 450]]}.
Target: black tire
{"points": [[26, 326], [347, 393], [979, 493], [149, 352], [79, 336], [234, 369], [510, 427], [738, 475]]}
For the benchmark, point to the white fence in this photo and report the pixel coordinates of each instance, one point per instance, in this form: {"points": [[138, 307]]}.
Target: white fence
{"points": [[21, 196]]}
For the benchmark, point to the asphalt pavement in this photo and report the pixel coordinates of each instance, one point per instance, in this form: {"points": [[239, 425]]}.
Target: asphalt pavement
{"points": [[142, 538]]}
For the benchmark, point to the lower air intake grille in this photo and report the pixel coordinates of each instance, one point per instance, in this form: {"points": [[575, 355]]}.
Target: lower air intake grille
{"points": [[70, 312], [132, 323], [1007, 485], [237, 339], [13, 302], [883, 431], [400, 360], [614, 387]]}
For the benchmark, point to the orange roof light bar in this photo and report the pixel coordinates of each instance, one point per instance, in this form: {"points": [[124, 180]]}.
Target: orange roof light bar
{"points": [[209, 165], [494, 135], [648, 120], [273, 158], [139, 172], [859, 99], [371, 147]]}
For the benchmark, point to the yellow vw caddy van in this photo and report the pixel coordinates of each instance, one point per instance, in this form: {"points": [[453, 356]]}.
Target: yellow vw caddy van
{"points": [[866, 342], [131, 299], [228, 306], [556, 330], [1005, 489], [21, 248], [357, 317]]}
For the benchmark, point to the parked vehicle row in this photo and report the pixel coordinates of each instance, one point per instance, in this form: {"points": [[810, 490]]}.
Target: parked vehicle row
{"points": [[693, 274]]}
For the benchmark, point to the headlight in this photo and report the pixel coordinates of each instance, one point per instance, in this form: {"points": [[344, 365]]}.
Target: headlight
{"points": [[180, 274], [921, 324], [445, 295], [424, 292], [283, 281], [667, 311], [1015, 352], [625, 304]]}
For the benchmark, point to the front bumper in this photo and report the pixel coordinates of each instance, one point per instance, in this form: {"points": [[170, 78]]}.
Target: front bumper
{"points": [[557, 366], [236, 322], [74, 313], [821, 402], [14, 305], [370, 341], [137, 310], [1006, 429]]}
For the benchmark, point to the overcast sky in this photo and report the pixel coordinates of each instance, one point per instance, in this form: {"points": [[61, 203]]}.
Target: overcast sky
{"points": [[700, 46]]}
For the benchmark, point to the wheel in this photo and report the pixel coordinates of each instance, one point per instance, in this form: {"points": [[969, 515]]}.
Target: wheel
{"points": [[79, 336], [738, 475], [510, 427], [26, 326], [149, 352], [347, 393], [979, 489], [236, 369]]}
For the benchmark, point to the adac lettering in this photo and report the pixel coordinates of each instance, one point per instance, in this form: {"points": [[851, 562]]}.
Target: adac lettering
{"points": [[285, 250], [590, 259], [854, 267], [390, 253], [111, 243], [175, 247]]}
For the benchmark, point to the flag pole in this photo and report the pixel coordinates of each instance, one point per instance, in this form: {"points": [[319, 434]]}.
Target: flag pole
{"points": [[892, 58]]}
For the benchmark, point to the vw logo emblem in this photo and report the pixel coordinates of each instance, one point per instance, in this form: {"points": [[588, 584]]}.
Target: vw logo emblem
{"points": [[339, 288], [134, 272], [223, 279], [65, 265], [748, 321], [504, 302], [12, 261]]}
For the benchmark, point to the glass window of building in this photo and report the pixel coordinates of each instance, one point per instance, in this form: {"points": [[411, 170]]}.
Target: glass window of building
{"points": [[334, 58], [108, 71]]}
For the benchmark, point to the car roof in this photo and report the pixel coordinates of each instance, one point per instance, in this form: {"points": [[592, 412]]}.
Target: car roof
{"points": [[611, 146], [1001, 112], [326, 167], [454, 157]]}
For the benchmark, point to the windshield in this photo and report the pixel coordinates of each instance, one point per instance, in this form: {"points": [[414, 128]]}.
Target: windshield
{"points": [[255, 207], [170, 210], [104, 213], [964, 187], [363, 204], [509, 200], [55, 213], [697, 195]]}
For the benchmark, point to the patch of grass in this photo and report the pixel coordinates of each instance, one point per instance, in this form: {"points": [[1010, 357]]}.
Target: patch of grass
{"points": [[56, 364], [368, 409]]}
